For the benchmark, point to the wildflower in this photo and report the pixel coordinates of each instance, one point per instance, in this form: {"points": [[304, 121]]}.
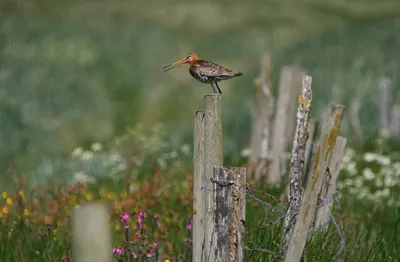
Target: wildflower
{"points": [[21, 194], [384, 160], [149, 254], [189, 224], [89, 196], [117, 250], [9, 201], [26, 212], [156, 217], [4, 195], [155, 244], [97, 147], [368, 174], [77, 152], [370, 157], [4, 210], [167, 260], [134, 255], [124, 217], [87, 155]]}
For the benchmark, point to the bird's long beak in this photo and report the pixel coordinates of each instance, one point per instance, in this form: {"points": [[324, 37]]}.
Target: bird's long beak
{"points": [[173, 65]]}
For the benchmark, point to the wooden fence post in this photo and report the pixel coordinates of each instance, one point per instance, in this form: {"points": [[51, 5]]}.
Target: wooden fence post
{"points": [[329, 184], [395, 122], [213, 157], [260, 135], [91, 234], [229, 200], [199, 201], [298, 155], [289, 89], [326, 143], [384, 86]]}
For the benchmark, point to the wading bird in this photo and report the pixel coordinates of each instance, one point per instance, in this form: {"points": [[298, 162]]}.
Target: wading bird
{"points": [[204, 71]]}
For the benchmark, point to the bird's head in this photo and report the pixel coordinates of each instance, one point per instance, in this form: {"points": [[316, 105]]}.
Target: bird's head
{"points": [[189, 59]]}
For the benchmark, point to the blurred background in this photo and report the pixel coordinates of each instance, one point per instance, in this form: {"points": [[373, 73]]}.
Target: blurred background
{"points": [[73, 73]]}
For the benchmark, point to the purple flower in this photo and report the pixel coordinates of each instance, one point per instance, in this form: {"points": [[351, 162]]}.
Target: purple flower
{"points": [[155, 244], [189, 224], [124, 217], [149, 254], [117, 250], [134, 255]]}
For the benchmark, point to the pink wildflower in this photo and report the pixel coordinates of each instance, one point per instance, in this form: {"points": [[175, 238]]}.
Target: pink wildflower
{"points": [[155, 244], [134, 255], [117, 251], [124, 217]]}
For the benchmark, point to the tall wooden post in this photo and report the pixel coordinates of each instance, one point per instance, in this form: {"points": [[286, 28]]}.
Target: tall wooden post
{"points": [[213, 157], [199, 200], [326, 144], [289, 89]]}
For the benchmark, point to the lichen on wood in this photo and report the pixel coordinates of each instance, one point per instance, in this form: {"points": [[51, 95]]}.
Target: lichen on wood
{"points": [[298, 155]]}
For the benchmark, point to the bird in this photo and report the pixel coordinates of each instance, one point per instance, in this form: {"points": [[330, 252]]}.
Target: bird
{"points": [[204, 71]]}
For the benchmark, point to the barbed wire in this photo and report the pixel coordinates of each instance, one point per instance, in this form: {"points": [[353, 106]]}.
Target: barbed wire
{"points": [[282, 214]]}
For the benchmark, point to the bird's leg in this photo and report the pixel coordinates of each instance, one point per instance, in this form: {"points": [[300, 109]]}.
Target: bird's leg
{"points": [[213, 88], [218, 88]]}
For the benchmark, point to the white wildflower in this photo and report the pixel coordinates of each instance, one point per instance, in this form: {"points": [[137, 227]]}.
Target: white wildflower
{"points": [[82, 177], [87, 156], [245, 152], [97, 147], [77, 152], [389, 181], [358, 182], [185, 149], [368, 173], [351, 168], [383, 160], [370, 157]]}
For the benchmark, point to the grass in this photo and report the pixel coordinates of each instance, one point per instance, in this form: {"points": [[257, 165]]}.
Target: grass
{"points": [[35, 222]]}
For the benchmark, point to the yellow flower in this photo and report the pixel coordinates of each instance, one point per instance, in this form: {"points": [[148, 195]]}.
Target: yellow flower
{"points": [[4, 195], [111, 195], [4, 210], [89, 196], [72, 200], [47, 219], [9, 201], [54, 231], [167, 260], [21, 194], [26, 212], [59, 223]]}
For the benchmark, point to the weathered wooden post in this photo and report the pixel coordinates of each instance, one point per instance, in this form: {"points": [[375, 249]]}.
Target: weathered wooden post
{"points": [[326, 144], [298, 156], [395, 122], [329, 183], [91, 234], [384, 86], [199, 200], [213, 157], [229, 199], [260, 135], [289, 89]]}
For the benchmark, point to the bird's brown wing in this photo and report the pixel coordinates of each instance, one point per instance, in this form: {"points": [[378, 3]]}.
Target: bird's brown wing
{"points": [[211, 69]]}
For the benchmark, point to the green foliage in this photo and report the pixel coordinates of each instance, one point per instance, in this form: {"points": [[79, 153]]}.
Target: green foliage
{"points": [[78, 72]]}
